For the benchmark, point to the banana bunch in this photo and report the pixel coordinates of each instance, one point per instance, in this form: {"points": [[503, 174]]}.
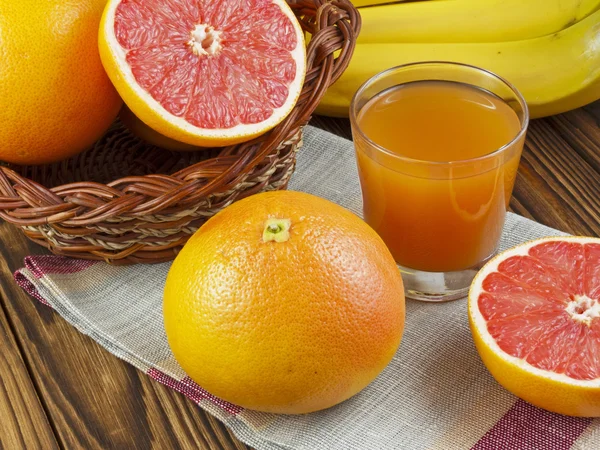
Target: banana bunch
{"points": [[363, 3], [549, 49]]}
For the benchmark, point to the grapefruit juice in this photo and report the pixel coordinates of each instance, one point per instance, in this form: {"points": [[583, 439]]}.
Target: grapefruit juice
{"points": [[437, 162]]}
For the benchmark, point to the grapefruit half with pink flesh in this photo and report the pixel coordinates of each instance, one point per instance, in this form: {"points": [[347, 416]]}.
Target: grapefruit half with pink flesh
{"points": [[534, 312], [205, 72]]}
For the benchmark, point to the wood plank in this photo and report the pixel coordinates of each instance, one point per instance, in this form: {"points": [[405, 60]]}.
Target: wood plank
{"points": [[93, 399], [23, 422], [341, 127], [558, 182], [593, 109], [581, 130]]}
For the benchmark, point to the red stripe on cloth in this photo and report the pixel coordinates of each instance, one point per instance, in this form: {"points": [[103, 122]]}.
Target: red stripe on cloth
{"points": [[28, 287], [526, 427], [192, 391], [47, 264]]}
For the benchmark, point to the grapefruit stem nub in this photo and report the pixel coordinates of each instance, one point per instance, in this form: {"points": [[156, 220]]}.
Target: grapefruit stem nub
{"points": [[205, 40], [277, 230]]}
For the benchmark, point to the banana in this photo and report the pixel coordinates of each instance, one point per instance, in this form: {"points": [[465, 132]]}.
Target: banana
{"points": [[555, 73], [470, 20], [364, 3]]}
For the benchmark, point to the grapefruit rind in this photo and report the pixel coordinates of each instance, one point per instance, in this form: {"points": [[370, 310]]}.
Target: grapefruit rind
{"points": [[153, 114], [321, 313], [548, 390]]}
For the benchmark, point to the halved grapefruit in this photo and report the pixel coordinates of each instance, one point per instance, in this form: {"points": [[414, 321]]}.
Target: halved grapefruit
{"points": [[205, 72], [534, 312]]}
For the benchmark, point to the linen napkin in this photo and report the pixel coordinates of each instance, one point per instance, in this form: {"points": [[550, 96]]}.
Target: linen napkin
{"points": [[435, 394]]}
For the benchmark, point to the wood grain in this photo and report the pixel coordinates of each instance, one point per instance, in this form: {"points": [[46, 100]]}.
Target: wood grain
{"points": [[94, 400], [23, 421], [559, 177]]}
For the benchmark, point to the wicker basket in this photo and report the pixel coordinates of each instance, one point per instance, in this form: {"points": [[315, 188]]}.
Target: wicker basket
{"points": [[124, 201]]}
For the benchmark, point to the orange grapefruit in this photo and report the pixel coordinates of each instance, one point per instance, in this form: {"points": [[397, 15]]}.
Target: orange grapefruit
{"points": [[534, 312], [205, 73], [285, 303], [55, 97]]}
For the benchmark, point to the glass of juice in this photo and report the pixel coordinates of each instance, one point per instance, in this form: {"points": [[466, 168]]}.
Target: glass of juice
{"points": [[438, 146]]}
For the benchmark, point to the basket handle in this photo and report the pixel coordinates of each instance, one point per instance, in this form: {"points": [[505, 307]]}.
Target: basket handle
{"points": [[334, 26]]}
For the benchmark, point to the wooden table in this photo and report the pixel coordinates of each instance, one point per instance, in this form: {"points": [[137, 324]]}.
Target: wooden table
{"points": [[59, 389]]}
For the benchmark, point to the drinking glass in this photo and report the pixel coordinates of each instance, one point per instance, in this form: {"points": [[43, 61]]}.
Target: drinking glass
{"points": [[441, 220]]}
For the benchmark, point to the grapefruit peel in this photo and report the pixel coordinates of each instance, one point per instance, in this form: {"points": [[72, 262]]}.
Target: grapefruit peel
{"points": [[204, 41], [546, 389]]}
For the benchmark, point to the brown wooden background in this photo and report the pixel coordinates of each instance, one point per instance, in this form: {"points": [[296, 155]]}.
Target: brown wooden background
{"points": [[59, 389]]}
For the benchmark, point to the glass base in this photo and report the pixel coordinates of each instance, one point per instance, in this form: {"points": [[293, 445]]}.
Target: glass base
{"points": [[438, 286]]}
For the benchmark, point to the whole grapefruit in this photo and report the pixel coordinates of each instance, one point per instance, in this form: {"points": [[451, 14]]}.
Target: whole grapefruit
{"points": [[284, 302], [55, 98]]}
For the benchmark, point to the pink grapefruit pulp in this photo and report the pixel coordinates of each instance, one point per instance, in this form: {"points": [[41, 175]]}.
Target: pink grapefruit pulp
{"points": [[203, 72], [535, 318]]}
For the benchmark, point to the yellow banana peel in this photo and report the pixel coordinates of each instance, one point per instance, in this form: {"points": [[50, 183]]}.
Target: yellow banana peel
{"points": [[555, 73], [470, 20], [366, 3]]}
